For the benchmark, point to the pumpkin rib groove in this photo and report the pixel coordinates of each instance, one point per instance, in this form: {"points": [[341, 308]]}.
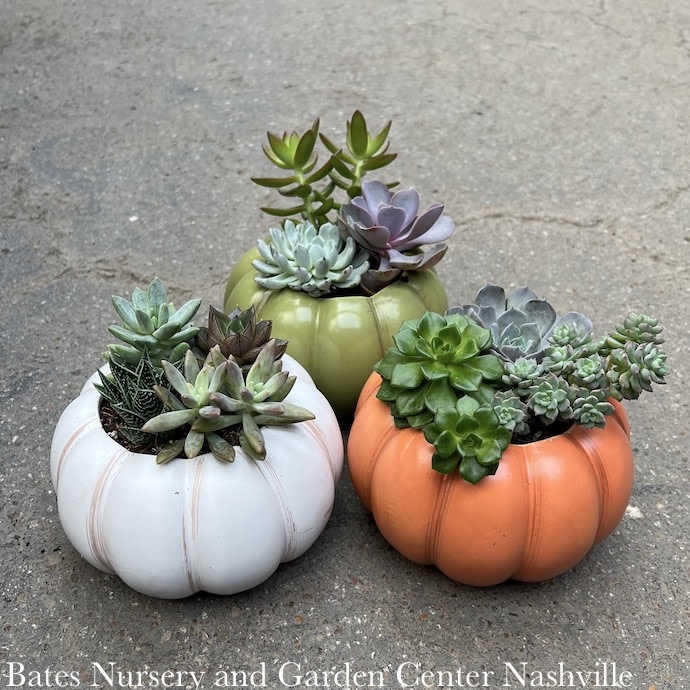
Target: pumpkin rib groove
{"points": [[272, 480], [384, 440], [82, 429], [588, 446], [532, 543], [94, 525], [380, 331], [614, 478], [314, 430], [434, 539], [264, 299], [312, 343], [190, 523]]}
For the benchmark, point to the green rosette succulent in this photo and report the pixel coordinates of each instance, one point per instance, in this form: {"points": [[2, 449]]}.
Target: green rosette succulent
{"points": [[435, 360], [468, 436], [549, 398], [521, 374], [150, 323], [633, 369], [590, 407], [317, 261], [511, 411], [636, 328], [219, 396]]}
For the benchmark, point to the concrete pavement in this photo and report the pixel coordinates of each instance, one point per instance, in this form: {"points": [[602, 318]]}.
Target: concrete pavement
{"points": [[556, 135]]}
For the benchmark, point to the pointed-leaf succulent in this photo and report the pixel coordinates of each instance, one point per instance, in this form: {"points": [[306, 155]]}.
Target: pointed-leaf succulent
{"points": [[150, 323], [237, 334], [218, 396], [314, 187], [129, 390]]}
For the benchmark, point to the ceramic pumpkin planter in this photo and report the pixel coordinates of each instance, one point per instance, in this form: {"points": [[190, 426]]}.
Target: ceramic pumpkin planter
{"points": [[547, 505], [195, 524], [351, 260], [337, 339]]}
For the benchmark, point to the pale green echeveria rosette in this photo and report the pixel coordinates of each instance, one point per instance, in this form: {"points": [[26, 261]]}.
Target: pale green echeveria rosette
{"points": [[300, 257], [150, 323]]}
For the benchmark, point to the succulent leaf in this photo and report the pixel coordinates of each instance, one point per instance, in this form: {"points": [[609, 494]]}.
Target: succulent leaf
{"points": [[591, 407], [237, 334], [152, 324], [343, 170], [633, 369], [469, 437], [434, 360], [521, 324], [549, 398], [636, 328], [218, 395], [301, 257], [389, 227], [130, 391]]}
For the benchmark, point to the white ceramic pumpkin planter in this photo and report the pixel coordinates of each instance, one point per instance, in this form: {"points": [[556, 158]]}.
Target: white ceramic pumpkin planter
{"points": [[191, 525]]}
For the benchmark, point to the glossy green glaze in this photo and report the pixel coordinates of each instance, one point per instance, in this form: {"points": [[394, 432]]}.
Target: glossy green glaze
{"points": [[337, 339]]}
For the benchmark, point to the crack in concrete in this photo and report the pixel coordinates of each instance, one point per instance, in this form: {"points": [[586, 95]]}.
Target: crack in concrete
{"points": [[538, 218], [671, 197], [600, 24]]}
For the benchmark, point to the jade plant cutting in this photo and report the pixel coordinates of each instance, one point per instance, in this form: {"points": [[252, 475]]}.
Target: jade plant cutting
{"points": [[508, 369], [179, 390], [380, 234]]}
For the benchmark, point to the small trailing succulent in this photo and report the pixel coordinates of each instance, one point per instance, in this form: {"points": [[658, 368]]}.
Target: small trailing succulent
{"points": [[380, 234], [176, 389], [507, 370]]}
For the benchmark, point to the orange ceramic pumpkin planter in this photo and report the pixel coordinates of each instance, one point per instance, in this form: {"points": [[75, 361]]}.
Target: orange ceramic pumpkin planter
{"points": [[547, 505]]}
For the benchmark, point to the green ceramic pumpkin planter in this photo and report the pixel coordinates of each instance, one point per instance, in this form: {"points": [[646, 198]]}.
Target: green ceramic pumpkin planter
{"points": [[338, 279], [336, 339]]}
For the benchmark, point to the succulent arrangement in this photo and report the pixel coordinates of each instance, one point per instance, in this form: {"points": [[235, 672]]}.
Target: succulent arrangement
{"points": [[506, 370], [303, 258], [363, 241], [177, 389], [219, 396]]}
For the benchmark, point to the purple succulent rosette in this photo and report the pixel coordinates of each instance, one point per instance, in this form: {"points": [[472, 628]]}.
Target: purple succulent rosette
{"points": [[387, 224]]}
